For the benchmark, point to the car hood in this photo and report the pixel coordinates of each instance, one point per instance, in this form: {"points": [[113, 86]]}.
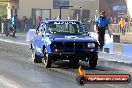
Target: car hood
{"points": [[70, 38]]}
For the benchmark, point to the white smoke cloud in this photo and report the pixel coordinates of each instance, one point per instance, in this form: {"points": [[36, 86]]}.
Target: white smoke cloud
{"points": [[129, 6]]}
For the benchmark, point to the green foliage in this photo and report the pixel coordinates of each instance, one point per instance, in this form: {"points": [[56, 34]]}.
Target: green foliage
{"points": [[3, 9]]}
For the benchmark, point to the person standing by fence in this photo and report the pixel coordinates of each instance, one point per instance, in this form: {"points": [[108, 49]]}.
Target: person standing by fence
{"points": [[25, 24], [14, 19], [38, 20], [127, 23], [122, 25]]}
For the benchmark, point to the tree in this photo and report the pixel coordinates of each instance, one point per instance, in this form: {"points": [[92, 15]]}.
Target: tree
{"points": [[3, 8]]}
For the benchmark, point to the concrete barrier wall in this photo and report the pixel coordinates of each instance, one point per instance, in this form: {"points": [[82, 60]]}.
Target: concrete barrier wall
{"points": [[112, 47]]}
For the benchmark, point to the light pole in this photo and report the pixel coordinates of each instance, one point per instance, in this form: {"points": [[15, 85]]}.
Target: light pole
{"points": [[61, 9], [96, 13], [109, 7], [81, 13]]}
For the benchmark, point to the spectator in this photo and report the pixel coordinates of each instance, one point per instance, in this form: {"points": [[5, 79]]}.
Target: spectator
{"points": [[58, 18], [14, 18], [38, 20], [30, 22], [127, 19], [127, 22], [25, 23], [130, 22], [122, 25]]}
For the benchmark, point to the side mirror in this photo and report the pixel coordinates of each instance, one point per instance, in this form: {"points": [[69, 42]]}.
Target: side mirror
{"points": [[37, 31]]}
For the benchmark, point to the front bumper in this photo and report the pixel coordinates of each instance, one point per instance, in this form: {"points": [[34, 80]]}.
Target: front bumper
{"points": [[71, 55]]}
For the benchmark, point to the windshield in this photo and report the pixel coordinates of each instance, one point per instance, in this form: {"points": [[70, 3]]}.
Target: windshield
{"points": [[64, 28]]}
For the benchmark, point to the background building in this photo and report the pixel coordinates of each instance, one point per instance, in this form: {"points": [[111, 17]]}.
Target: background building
{"points": [[116, 9], [50, 8], [82, 9], [30, 12]]}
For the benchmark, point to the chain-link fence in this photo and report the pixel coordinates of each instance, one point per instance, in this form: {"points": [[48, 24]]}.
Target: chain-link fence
{"points": [[116, 28], [22, 25]]}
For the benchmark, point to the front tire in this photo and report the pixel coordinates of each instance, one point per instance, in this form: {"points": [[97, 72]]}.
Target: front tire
{"points": [[93, 61], [47, 60], [36, 58]]}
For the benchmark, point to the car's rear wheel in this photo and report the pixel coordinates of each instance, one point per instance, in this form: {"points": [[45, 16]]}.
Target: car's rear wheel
{"points": [[47, 60], [93, 61], [36, 58]]}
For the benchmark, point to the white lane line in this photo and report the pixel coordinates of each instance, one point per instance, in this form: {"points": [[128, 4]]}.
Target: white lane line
{"points": [[8, 83], [10, 41]]}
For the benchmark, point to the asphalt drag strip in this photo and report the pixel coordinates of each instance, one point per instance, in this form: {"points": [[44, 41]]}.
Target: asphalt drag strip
{"points": [[6, 83], [21, 55]]}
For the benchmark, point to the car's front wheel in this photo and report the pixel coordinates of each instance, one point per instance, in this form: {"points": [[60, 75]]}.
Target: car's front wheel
{"points": [[35, 57], [93, 61], [47, 60]]}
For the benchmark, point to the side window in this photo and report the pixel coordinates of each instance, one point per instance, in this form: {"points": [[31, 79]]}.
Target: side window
{"points": [[37, 30], [41, 29]]}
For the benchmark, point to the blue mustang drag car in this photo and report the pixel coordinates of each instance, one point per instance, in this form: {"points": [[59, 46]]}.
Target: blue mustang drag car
{"points": [[57, 40]]}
